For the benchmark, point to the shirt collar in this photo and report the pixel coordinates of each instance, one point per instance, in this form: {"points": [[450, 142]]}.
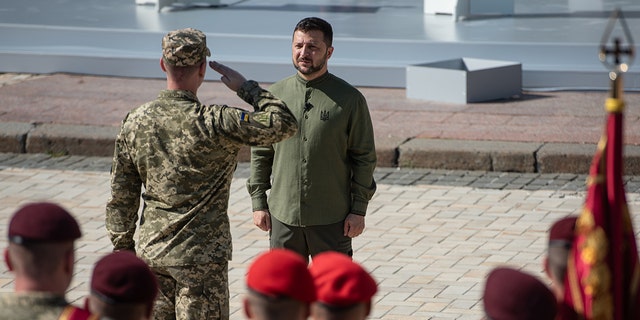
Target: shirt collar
{"points": [[178, 95], [314, 82]]}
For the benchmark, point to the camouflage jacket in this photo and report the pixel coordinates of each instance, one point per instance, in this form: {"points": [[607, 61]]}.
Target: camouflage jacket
{"points": [[38, 306], [184, 154]]}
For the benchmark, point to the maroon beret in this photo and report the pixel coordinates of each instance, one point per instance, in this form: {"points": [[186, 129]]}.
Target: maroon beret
{"points": [[511, 294], [122, 277], [562, 231], [340, 281], [281, 273], [42, 222]]}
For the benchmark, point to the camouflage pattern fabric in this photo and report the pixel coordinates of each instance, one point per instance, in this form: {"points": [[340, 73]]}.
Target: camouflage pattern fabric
{"points": [[193, 292], [185, 47], [31, 306], [184, 153]]}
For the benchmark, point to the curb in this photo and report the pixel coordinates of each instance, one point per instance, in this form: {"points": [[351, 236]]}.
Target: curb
{"points": [[499, 156], [56, 139]]}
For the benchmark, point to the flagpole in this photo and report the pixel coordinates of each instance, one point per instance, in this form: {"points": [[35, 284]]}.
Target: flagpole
{"points": [[603, 271], [623, 259]]}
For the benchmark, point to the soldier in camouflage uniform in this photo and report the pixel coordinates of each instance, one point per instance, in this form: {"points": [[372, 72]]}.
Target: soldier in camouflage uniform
{"points": [[41, 256], [184, 154]]}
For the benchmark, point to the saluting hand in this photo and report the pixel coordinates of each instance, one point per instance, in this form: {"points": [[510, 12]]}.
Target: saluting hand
{"points": [[233, 79]]}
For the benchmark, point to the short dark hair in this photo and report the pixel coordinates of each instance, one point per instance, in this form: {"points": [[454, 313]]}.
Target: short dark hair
{"points": [[268, 307], [315, 23]]}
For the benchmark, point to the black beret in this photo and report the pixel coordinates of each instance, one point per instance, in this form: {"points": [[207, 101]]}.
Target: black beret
{"points": [[42, 222], [122, 277]]}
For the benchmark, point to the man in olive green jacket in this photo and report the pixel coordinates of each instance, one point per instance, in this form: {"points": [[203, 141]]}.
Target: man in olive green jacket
{"points": [[322, 176]]}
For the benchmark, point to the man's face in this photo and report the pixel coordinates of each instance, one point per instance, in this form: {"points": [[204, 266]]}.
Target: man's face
{"points": [[310, 53]]}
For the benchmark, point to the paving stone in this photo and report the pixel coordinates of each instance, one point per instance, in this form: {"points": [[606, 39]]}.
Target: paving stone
{"points": [[428, 245]]}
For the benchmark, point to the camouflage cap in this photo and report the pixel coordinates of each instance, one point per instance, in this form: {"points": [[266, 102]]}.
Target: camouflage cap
{"points": [[185, 47]]}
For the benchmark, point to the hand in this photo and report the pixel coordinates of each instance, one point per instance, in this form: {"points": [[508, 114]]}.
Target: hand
{"points": [[353, 225], [233, 79], [262, 219]]}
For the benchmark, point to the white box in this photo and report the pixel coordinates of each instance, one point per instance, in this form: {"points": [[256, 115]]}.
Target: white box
{"points": [[439, 6], [461, 9], [180, 4], [464, 80]]}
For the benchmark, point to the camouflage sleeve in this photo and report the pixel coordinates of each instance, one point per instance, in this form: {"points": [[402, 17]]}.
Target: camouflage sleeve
{"points": [[260, 176], [271, 121], [122, 206]]}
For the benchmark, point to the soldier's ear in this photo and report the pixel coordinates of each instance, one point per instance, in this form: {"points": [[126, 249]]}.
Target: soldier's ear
{"points": [[69, 262], [247, 308], [545, 265], [203, 69], [368, 308], [162, 66], [86, 304], [7, 259]]}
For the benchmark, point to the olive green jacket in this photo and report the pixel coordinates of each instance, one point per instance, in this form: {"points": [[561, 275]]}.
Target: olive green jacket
{"points": [[325, 171]]}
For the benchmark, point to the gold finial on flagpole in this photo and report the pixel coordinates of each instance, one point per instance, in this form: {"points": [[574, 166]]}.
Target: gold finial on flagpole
{"points": [[614, 57]]}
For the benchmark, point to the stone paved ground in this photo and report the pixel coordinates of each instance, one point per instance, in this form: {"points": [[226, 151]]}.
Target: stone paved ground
{"points": [[542, 132], [431, 235]]}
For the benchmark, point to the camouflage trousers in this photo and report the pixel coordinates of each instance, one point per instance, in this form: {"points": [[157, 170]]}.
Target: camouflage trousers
{"points": [[193, 292]]}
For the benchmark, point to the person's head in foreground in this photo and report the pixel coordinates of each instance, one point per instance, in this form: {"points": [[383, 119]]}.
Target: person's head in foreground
{"points": [[279, 286], [40, 252], [122, 287], [511, 294], [344, 288]]}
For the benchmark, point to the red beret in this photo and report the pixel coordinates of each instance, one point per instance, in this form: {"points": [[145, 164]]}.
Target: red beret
{"points": [[340, 281], [281, 273], [122, 277], [43, 222], [512, 294], [563, 231]]}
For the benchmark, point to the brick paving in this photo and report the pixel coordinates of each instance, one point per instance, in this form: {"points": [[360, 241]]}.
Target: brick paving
{"points": [[431, 236]]}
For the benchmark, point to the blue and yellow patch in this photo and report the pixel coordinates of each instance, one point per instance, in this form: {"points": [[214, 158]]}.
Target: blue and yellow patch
{"points": [[244, 117]]}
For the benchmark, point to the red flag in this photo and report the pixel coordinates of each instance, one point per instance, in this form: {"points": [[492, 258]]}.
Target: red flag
{"points": [[603, 273]]}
